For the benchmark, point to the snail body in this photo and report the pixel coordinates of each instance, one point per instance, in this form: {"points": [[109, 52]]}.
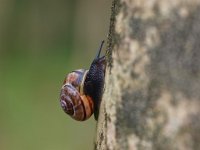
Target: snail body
{"points": [[82, 90]]}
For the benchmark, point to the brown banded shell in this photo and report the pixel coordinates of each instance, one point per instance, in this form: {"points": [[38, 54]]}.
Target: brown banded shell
{"points": [[72, 97]]}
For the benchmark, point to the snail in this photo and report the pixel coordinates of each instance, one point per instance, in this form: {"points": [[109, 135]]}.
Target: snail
{"points": [[82, 90]]}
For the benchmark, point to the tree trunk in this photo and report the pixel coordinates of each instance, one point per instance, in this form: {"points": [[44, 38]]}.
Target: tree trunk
{"points": [[152, 88]]}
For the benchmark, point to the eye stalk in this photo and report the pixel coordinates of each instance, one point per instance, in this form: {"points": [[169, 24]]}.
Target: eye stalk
{"points": [[99, 51]]}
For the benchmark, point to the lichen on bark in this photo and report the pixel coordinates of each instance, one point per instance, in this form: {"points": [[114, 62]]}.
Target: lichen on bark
{"points": [[151, 98]]}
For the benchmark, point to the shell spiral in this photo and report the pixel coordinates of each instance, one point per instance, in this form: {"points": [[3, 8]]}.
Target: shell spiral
{"points": [[72, 97]]}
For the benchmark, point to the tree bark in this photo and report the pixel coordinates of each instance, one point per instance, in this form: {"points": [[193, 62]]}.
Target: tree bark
{"points": [[152, 88]]}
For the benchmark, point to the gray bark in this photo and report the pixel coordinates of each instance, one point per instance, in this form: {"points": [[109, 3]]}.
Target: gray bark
{"points": [[152, 88]]}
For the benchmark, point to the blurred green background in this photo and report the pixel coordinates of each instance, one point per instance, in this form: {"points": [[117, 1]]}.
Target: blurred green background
{"points": [[41, 41]]}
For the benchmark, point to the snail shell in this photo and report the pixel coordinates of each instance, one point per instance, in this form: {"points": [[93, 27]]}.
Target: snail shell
{"points": [[73, 99]]}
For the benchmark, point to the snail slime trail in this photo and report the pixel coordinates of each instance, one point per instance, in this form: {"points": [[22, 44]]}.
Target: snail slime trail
{"points": [[81, 92]]}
